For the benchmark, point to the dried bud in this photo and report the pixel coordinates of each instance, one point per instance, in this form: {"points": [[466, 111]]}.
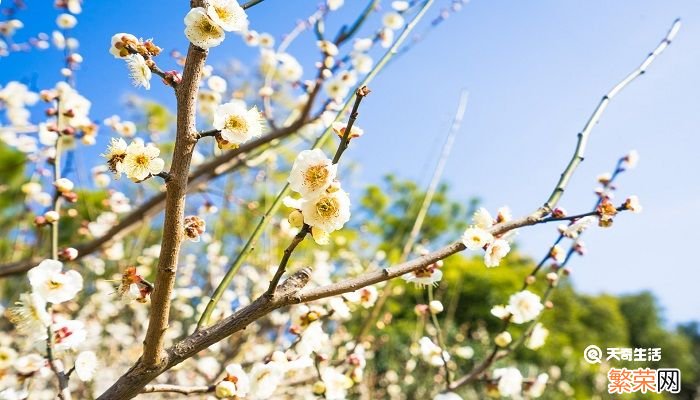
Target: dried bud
{"points": [[71, 197], [558, 213], [194, 227], [40, 220]]}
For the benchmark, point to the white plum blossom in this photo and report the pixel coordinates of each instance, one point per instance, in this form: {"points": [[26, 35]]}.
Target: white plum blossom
{"points": [[427, 276], [68, 334], [482, 218], [495, 252], [510, 381], [29, 364], [574, 230], [66, 21], [328, 212], [236, 123], [225, 389], [86, 365], [431, 352], [393, 20], [365, 297], [264, 379], [30, 316], [524, 306], [227, 14], [142, 161], [312, 173], [336, 383], [334, 4], [53, 284], [139, 72], [537, 388], [537, 337], [201, 30], [476, 238], [447, 395]]}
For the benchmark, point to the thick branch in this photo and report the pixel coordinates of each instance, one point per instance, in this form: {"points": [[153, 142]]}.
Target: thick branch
{"points": [[186, 93]]}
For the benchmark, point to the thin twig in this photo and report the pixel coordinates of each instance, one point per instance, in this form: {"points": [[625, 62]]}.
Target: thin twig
{"points": [[165, 388], [595, 117]]}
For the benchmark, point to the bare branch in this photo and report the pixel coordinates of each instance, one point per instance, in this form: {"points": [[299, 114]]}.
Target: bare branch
{"points": [[595, 117], [165, 388]]}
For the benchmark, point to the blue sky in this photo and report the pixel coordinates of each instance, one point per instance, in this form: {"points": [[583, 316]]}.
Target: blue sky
{"points": [[535, 70]]}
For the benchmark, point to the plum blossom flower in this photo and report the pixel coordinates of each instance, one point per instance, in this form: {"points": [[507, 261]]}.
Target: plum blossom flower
{"points": [[68, 334], [431, 352], [632, 204], [236, 123], [142, 161], [29, 364], [365, 297], [336, 384], [30, 316], [334, 4], [425, 276], [312, 173], [393, 20], [537, 338], [264, 379], [66, 21], [339, 129], [201, 30], [510, 381], [328, 212], [482, 218], [475, 238], [115, 154], [447, 395], [574, 230], [139, 71], [524, 306], [52, 284], [86, 365], [228, 15], [495, 252], [7, 357], [538, 386]]}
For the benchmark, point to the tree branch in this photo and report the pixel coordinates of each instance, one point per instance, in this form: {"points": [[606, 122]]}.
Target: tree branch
{"points": [[595, 117], [186, 94], [165, 388]]}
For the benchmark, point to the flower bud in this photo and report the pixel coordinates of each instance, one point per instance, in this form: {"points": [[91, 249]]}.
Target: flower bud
{"points": [[530, 279], [51, 216], [552, 277], [63, 185], [68, 254], [319, 388], [503, 339], [225, 389], [296, 219], [436, 307]]}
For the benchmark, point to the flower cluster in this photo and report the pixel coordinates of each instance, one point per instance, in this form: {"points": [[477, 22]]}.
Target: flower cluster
{"points": [[34, 318], [324, 206], [207, 27], [138, 161], [478, 237]]}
